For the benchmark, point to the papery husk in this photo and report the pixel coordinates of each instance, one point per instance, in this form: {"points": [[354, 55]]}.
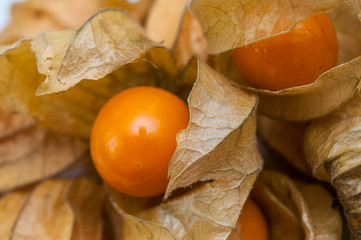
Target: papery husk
{"points": [[115, 220], [112, 38], [262, 20], [354, 6], [221, 125], [10, 205], [233, 23], [348, 30], [11, 123], [332, 146], [293, 211], [31, 153], [287, 139], [32, 17], [34, 222], [177, 30], [87, 201], [53, 209], [219, 146]]}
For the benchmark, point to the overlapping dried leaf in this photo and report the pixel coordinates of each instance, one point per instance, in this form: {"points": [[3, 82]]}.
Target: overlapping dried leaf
{"points": [[54, 209], [30, 153], [177, 30], [333, 151], [287, 139], [31, 17], [293, 211]]}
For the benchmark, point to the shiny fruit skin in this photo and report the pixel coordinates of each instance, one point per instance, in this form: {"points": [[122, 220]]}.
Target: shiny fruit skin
{"points": [[292, 59], [134, 137], [252, 223]]}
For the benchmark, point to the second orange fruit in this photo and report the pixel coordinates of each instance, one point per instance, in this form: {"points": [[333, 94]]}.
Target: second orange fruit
{"points": [[292, 59]]}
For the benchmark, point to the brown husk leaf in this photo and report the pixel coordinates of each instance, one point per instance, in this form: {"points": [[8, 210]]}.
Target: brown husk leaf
{"points": [[287, 139], [31, 153], [87, 201], [354, 6], [221, 125], [177, 30], [54, 209], [10, 206], [293, 211], [332, 146], [32, 17], [112, 38], [45, 214]]}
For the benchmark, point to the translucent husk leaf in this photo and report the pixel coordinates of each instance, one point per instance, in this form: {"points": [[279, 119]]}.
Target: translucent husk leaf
{"points": [[165, 28], [332, 146], [112, 38], [11, 123], [34, 150], [327, 93], [354, 6], [293, 211], [87, 201], [221, 126], [32, 17], [287, 139], [219, 141], [233, 23], [116, 221], [34, 222], [10, 205], [54, 209], [348, 30], [177, 30]]}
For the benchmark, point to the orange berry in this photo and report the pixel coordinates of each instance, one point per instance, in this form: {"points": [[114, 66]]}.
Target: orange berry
{"points": [[134, 138], [292, 59], [251, 223]]}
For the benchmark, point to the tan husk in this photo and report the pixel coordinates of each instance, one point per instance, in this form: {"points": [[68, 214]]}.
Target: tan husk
{"points": [[54, 209], [112, 38], [233, 23], [293, 211], [177, 30], [116, 221], [10, 123], [219, 141], [33, 153], [332, 146], [45, 214], [32, 17], [327, 93], [87, 201], [348, 30], [217, 133], [287, 139], [354, 6], [10, 205]]}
